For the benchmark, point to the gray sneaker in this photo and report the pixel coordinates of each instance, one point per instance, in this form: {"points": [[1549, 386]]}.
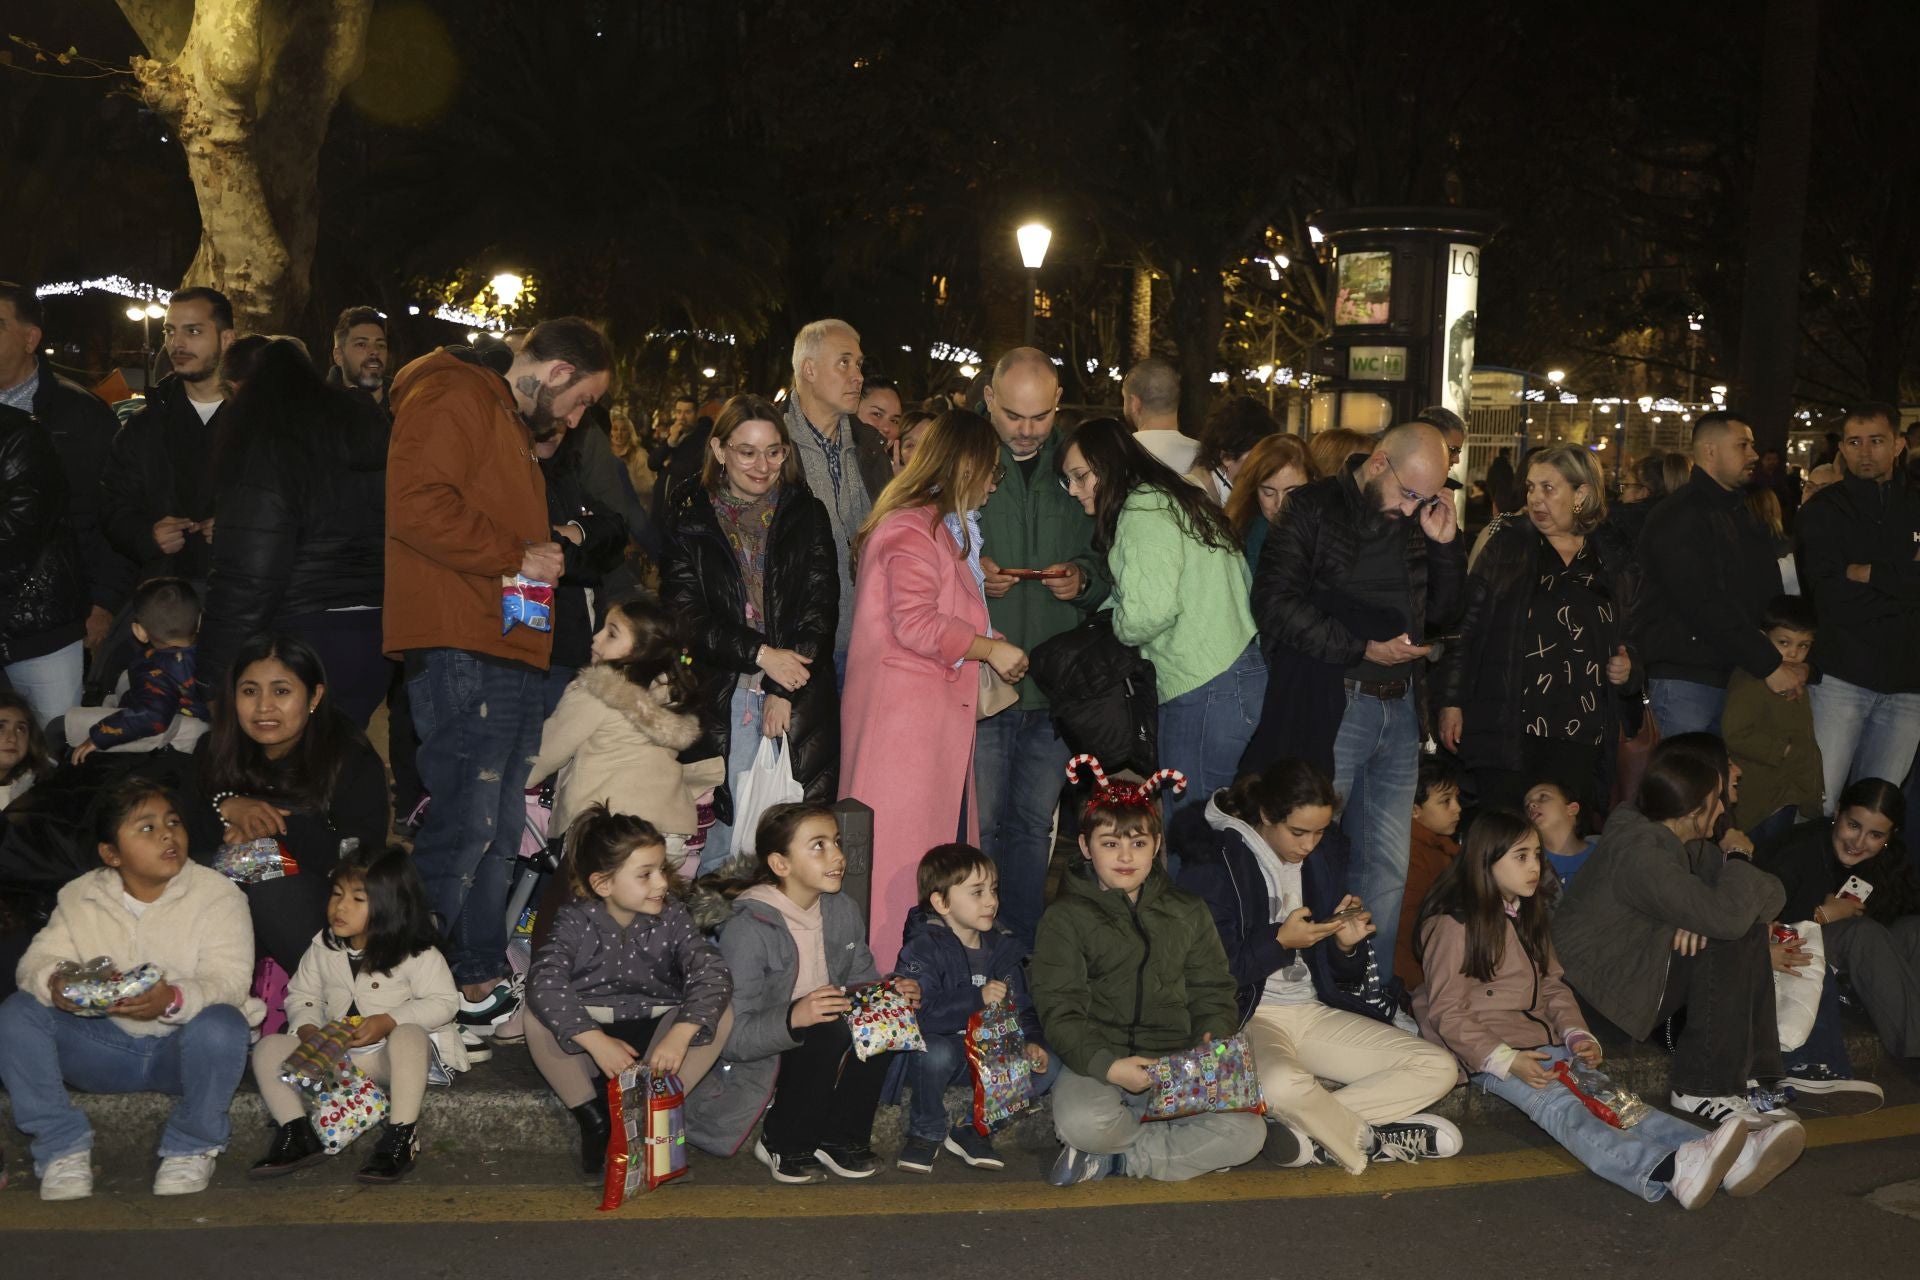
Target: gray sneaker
{"points": [[1076, 1166]]}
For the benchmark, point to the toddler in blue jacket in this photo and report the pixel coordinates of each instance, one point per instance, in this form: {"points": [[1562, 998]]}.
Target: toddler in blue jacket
{"points": [[963, 962]]}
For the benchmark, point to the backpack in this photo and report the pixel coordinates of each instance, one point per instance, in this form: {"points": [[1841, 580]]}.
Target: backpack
{"points": [[1104, 695]]}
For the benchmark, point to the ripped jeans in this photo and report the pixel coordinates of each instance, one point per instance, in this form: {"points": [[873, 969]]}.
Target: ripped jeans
{"points": [[479, 721]]}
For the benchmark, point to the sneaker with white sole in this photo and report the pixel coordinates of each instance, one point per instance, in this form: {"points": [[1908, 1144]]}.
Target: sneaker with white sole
{"points": [[1819, 1078], [1287, 1146], [1769, 1153], [479, 1048], [184, 1175], [1771, 1101], [1075, 1166], [1422, 1136], [488, 1012], [68, 1178], [1715, 1109], [797, 1170], [1700, 1166]]}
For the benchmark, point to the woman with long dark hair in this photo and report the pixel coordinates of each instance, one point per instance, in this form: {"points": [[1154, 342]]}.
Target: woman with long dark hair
{"points": [[920, 635], [1670, 913], [751, 571], [281, 762], [1180, 584], [300, 485]]}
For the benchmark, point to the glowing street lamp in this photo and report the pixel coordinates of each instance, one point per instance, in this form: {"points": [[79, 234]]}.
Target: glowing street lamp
{"points": [[1033, 238], [507, 287]]}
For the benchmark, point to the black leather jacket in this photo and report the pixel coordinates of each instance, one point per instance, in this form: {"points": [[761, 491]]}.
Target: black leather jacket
{"points": [[1310, 551], [162, 465], [701, 582], [43, 589], [297, 536], [1480, 673]]}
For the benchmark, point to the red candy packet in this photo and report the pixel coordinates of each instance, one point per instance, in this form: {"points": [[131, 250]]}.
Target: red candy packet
{"points": [[1002, 1076], [649, 1142]]}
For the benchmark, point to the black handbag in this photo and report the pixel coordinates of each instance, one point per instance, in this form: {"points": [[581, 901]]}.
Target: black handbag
{"points": [[1104, 695]]}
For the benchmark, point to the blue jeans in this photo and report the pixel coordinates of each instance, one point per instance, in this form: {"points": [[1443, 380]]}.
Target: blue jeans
{"points": [[1863, 734], [1624, 1157], [743, 744], [1019, 770], [42, 1050], [943, 1065], [51, 682], [1686, 706], [479, 725], [1203, 733], [1376, 763]]}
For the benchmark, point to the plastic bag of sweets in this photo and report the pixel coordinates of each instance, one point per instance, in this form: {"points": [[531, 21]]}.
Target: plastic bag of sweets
{"points": [[1618, 1106], [255, 861], [648, 1145], [98, 985], [1214, 1077], [526, 603], [347, 1109], [882, 1021], [318, 1064], [1002, 1076]]}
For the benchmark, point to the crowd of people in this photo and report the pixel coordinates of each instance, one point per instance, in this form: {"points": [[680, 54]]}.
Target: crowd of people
{"points": [[1391, 813]]}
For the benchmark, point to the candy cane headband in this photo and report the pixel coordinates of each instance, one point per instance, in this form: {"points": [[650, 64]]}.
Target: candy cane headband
{"points": [[1125, 795]]}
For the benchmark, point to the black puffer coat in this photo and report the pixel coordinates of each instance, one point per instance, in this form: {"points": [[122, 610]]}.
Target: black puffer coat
{"points": [[1311, 550], [297, 534], [43, 588], [1481, 673], [163, 464], [701, 582]]}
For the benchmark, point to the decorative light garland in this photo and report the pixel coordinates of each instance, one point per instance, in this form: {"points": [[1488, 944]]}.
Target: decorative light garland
{"points": [[118, 285], [471, 319]]}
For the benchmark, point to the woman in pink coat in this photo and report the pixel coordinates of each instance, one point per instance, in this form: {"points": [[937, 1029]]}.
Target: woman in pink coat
{"points": [[920, 633]]}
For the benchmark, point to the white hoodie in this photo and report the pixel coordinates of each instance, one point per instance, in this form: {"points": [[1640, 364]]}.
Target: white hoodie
{"points": [[1284, 897], [198, 933]]}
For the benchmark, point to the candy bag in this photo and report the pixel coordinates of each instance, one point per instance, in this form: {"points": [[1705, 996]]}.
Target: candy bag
{"points": [[98, 985], [526, 602], [1622, 1108], [353, 1105], [317, 1065], [255, 861], [882, 1021], [1002, 1076], [1214, 1077], [649, 1141]]}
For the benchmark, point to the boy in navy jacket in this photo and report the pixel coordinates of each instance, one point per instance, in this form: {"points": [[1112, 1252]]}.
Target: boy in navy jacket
{"points": [[963, 962]]}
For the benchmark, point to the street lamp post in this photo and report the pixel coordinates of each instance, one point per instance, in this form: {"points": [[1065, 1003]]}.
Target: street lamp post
{"points": [[146, 316], [1554, 378], [1033, 238]]}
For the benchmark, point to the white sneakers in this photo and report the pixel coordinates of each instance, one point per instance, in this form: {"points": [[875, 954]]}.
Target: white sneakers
{"points": [[184, 1175], [68, 1178], [1768, 1154], [1701, 1165]]}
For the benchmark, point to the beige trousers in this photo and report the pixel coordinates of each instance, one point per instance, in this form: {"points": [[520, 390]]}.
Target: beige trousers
{"points": [[399, 1066], [574, 1077], [1386, 1074]]}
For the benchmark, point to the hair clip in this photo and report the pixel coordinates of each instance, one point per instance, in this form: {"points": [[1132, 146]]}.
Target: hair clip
{"points": [[686, 659], [1127, 795]]}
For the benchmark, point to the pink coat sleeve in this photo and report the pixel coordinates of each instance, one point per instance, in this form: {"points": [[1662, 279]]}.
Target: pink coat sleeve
{"points": [[913, 558]]}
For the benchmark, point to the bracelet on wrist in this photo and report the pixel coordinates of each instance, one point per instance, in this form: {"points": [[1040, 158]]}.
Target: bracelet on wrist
{"points": [[220, 798]]}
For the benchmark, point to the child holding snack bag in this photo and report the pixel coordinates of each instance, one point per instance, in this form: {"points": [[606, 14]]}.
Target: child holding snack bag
{"points": [[795, 947], [149, 905], [965, 962], [377, 964]]}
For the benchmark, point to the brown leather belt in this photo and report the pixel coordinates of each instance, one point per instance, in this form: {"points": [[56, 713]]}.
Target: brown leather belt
{"points": [[1386, 691]]}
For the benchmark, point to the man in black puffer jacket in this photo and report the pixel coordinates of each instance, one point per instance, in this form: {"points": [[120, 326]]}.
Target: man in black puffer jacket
{"points": [[43, 589], [1359, 567], [1710, 569]]}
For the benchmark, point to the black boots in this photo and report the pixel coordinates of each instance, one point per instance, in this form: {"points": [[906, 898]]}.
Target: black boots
{"points": [[596, 1127], [295, 1146], [393, 1158]]}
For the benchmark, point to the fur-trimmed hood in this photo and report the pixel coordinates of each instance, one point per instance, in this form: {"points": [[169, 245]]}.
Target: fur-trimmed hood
{"points": [[645, 709]]}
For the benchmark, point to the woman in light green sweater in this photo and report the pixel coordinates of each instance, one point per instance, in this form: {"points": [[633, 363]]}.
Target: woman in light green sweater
{"points": [[1180, 583]]}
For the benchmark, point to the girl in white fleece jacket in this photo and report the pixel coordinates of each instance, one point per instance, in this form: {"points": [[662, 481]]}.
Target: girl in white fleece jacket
{"points": [[186, 1035]]}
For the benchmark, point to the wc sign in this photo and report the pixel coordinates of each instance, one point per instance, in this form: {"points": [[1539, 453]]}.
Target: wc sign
{"points": [[1377, 364]]}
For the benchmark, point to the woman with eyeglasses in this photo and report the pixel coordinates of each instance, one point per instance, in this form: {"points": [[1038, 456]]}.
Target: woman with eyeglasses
{"points": [[921, 638], [752, 572], [1542, 673], [1180, 586]]}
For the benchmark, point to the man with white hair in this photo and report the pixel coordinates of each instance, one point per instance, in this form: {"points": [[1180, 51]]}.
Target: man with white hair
{"points": [[844, 459]]}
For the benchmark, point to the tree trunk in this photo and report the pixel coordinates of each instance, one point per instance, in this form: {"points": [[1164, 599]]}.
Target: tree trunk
{"points": [[247, 87], [1140, 330], [1769, 320], [1199, 318]]}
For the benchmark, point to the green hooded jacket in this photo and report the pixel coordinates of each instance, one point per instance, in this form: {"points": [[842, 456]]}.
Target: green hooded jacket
{"points": [[1030, 524], [1113, 978]]}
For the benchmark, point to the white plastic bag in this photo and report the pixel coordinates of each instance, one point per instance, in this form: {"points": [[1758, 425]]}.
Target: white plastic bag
{"points": [[755, 790], [1796, 994]]}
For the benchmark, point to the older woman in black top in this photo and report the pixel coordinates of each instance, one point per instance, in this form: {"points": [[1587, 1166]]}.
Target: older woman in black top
{"points": [[1534, 688]]}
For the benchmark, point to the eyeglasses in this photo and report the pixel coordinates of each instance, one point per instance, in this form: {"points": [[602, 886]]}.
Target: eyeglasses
{"points": [[1073, 478], [747, 455], [1408, 494]]}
